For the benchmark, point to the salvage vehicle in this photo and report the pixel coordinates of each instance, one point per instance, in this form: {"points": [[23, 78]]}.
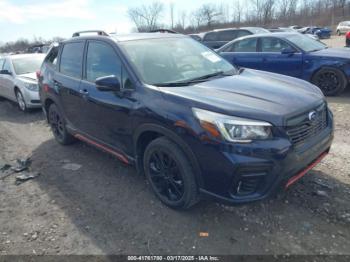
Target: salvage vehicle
{"points": [[18, 80], [194, 124], [294, 55], [219, 37]]}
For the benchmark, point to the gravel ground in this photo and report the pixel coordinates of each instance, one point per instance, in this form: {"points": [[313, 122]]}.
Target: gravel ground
{"points": [[86, 202], [335, 41]]}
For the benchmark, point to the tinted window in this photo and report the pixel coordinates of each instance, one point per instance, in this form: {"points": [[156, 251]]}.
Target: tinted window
{"points": [[71, 59], [101, 61], [227, 35], [7, 66], [272, 44], [241, 33], [52, 56], [245, 45], [210, 37]]}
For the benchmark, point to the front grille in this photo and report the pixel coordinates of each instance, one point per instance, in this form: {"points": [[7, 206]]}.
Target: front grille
{"points": [[301, 132]]}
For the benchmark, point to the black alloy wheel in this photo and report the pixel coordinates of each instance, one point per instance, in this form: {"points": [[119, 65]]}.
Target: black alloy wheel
{"points": [[170, 174]]}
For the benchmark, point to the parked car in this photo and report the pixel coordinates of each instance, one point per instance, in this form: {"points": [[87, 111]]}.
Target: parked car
{"points": [[321, 32], [343, 27], [291, 30], [219, 37], [18, 79], [40, 48], [294, 55], [185, 117]]}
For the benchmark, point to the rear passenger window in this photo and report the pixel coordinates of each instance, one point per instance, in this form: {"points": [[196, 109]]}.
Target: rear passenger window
{"points": [[246, 45], [210, 37], [72, 59], [227, 35], [270, 44], [241, 33], [101, 61], [51, 58]]}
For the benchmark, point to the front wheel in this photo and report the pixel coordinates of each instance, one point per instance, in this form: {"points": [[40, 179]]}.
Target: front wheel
{"points": [[170, 174], [21, 102], [330, 80], [58, 126]]}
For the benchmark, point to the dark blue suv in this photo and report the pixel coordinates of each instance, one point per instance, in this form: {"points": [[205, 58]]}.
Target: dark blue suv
{"points": [[186, 118]]}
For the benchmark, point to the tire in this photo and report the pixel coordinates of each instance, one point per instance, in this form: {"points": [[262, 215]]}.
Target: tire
{"points": [[338, 33], [58, 126], [330, 80], [20, 101], [170, 174]]}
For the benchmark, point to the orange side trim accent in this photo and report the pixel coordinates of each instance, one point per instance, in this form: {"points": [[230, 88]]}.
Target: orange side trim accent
{"points": [[118, 155], [293, 179]]}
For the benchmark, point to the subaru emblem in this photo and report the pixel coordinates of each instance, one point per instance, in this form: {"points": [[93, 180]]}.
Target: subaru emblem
{"points": [[312, 116]]}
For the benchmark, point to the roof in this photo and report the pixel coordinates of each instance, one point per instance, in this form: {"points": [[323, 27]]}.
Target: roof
{"points": [[142, 36]]}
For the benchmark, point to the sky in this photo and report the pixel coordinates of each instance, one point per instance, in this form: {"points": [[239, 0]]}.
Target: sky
{"points": [[50, 18]]}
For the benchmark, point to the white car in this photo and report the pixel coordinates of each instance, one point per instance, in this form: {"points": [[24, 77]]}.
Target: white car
{"points": [[343, 27], [18, 80]]}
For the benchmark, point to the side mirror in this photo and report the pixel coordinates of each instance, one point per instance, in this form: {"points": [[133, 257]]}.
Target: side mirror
{"points": [[5, 72], [108, 83], [288, 51]]}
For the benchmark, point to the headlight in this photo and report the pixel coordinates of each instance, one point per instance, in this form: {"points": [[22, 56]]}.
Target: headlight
{"points": [[31, 87], [233, 129]]}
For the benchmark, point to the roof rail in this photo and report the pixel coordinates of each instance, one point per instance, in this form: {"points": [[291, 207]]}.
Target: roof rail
{"points": [[99, 32]]}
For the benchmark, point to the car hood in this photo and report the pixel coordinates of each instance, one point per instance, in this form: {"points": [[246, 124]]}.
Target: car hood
{"points": [[333, 52], [253, 94], [28, 76]]}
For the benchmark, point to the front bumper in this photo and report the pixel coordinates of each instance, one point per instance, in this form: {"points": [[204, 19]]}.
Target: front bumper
{"points": [[31, 98], [244, 173]]}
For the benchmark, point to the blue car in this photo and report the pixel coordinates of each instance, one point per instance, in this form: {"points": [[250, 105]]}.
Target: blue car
{"points": [[321, 32], [188, 120], [294, 55]]}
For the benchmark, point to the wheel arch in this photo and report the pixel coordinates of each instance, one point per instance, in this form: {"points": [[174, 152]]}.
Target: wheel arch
{"points": [[148, 132]]}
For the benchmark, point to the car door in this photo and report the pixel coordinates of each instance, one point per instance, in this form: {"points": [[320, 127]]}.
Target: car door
{"points": [[7, 80], [67, 80], [243, 53], [107, 113], [280, 57]]}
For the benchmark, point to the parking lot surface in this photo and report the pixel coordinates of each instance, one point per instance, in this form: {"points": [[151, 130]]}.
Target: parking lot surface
{"points": [[86, 202]]}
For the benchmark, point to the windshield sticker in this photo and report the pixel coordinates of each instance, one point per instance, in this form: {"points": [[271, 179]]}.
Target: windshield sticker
{"points": [[211, 57]]}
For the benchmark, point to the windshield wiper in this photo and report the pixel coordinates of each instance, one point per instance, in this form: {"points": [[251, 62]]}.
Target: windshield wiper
{"points": [[195, 80]]}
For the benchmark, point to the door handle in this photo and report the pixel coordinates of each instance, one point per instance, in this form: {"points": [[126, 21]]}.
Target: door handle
{"points": [[83, 91]]}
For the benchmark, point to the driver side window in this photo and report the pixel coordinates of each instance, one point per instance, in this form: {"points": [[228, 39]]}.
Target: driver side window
{"points": [[273, 45]]}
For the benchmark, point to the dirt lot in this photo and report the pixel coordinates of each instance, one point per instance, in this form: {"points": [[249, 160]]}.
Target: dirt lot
{"points": [[335, 41], [104, 207]]}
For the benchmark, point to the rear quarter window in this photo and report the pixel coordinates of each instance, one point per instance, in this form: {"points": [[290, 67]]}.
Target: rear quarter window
{"points": [[51, 58], [72, 59], [210, 37]]}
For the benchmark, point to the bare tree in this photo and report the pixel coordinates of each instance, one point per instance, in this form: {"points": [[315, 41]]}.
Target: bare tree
{"points": [[146, 18], [182, 19], [208, 14], [171, 6], [237, 11]]}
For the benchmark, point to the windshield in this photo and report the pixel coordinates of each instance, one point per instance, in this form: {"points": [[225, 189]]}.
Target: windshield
{"points": [[170, 60], [305, 43], [25, 65]]}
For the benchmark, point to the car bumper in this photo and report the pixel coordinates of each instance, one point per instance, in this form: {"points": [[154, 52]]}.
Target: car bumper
{"points": [[246, 173], [32, 98]]}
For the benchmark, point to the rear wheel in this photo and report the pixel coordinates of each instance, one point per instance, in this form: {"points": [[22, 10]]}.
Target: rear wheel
{"points": [[338, 32], [170, 174], [21, 102], [331, 81], [58, 126]]}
